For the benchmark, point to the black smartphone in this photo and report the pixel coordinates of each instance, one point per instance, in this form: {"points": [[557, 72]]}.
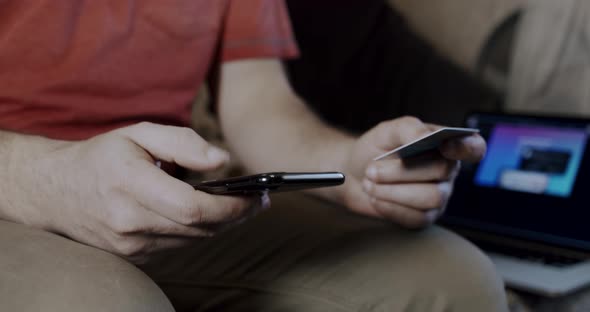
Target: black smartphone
{"points": [[272, 182]]}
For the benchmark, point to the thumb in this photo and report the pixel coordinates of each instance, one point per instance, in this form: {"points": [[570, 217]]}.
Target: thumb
{"points": [[182, 146], [394, 133]]}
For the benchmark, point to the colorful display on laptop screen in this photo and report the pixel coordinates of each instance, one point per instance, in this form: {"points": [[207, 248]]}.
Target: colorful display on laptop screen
{"points": [[533, 184], [532, 159]]}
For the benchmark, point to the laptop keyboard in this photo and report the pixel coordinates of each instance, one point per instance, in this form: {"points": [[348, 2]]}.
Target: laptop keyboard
{"points": [[532, 255]]}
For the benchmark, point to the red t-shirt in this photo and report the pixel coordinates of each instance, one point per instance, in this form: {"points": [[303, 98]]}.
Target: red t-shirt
{"points": [[72, 69]]}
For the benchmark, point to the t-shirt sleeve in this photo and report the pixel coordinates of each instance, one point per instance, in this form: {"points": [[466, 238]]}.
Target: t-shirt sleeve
{"points": [[257, 29]]}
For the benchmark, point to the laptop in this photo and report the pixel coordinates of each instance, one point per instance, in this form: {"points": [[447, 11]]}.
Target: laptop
{"points": [[527, 204]]}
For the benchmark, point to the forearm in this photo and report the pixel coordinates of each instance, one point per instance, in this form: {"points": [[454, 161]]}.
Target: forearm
{"points": [[270, 129], [286, 140]]}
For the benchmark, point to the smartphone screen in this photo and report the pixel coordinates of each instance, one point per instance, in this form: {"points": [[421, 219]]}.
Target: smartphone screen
{"points": [[272, 182]]}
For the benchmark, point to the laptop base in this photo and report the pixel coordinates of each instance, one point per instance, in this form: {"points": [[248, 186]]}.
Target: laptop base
{"points": [[539, 278]]}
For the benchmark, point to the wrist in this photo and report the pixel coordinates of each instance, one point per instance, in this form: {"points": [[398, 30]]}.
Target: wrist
{"points": [[26, 170], [339, 160]]}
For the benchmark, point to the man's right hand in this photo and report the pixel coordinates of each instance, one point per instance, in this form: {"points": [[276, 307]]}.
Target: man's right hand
{"points": [[107, 191]]}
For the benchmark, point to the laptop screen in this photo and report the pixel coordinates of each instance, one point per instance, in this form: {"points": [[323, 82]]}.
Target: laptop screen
{"points": [[534, 182]]}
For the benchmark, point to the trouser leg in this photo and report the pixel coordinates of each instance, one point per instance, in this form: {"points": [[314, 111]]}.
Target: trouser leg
{"points": [[40, 271], [306, 255]]}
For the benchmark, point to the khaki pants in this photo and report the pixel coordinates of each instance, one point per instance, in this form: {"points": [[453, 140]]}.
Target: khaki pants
{"points": [[301, 255]]}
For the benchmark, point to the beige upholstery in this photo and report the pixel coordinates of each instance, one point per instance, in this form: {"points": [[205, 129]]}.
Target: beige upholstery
{"points": [[457, 28]]}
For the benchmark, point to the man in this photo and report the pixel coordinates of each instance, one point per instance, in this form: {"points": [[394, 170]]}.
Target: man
{"points": [[96, 94]]}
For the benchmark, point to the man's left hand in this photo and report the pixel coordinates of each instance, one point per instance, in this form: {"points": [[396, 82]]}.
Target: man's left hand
{"points": [[411, 192]]}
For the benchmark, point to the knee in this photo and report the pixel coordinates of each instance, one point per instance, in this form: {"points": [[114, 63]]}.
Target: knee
{"points": [[458, 274], [436, 270], [42, 271], [431, 270]]}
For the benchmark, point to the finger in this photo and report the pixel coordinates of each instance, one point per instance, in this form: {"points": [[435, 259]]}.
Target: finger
{"points": [[422, 169], [433, 127], [471, 148], [262, 204], [405, 216], [182, 146], [391, 134], [128, 217], [179, 202], [424, 196]]}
